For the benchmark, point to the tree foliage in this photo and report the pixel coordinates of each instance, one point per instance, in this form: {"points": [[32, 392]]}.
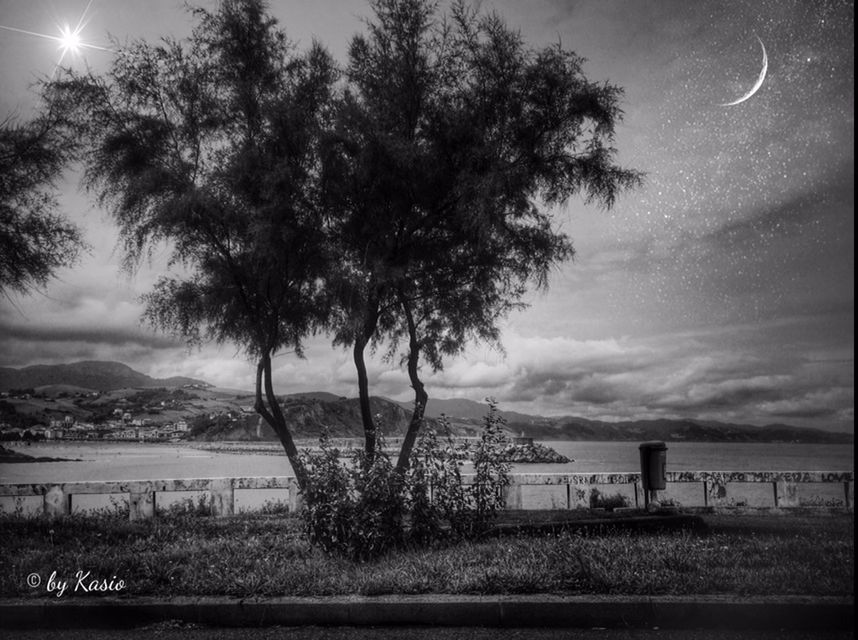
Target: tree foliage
{"points": [[454, 140], [211, 146], [35, 241], [405, 202]]}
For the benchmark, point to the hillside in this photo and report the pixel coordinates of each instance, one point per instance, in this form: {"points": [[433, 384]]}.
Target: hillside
{"points": [[673, 431], [308, 417], [62, 390], [467, 412], [91, 375]]}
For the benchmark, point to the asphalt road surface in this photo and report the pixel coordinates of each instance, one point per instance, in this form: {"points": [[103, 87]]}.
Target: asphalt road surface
{"points": [[179, 631]]}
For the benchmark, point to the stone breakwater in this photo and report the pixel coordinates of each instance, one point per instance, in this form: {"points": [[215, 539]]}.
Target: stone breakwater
{"points": [[531, 453], [534, 453]]}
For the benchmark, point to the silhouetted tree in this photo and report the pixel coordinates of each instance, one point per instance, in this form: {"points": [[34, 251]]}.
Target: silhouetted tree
{"points": [[35, 241], [454, 139], [411, 203], [211, 146]]}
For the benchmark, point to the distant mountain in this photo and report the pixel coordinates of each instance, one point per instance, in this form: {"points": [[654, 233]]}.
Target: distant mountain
{"points": [[94, 375], [570, 428], [309, 413], [462, 412], [324, 396], [463, 408]]}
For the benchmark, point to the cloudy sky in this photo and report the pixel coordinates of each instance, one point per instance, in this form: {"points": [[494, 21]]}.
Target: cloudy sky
{"points": [[723, 289]]}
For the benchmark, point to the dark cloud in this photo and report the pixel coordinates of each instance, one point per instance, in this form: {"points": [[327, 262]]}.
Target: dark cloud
{"points": [[814, 413], [736, 394], [110, 336]]}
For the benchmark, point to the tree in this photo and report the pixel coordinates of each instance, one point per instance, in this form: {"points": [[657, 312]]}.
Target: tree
{"points": [[411, 203], [212, 147], [35, 241], [453, 141]]}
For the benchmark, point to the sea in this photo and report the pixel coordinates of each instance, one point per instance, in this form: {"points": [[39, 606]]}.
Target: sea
{"points": [[102, 461]]}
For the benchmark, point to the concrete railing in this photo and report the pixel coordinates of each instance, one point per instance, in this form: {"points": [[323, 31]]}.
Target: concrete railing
{"points": [[713, 485], [57, 498]]}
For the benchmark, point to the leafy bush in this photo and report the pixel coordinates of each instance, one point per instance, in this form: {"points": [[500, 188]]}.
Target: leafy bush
{"points": [[328, 496], [440, 504], [354, 507], [491, 467], [362, 507]]}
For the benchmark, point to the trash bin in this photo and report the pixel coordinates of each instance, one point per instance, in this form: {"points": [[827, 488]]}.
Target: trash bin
{"points": [[653, 465]]}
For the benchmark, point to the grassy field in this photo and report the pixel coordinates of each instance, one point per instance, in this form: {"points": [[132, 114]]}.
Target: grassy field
{"points": [[267, 555]]}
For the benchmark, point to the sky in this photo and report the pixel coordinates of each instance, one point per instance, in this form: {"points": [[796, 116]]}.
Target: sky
{"points": [[722, 289]]}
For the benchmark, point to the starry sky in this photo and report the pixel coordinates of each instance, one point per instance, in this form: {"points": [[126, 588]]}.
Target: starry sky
{"points": [[722, 289]]}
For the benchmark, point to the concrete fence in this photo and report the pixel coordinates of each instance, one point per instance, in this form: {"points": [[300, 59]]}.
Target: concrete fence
{"points": [[716, 489]]}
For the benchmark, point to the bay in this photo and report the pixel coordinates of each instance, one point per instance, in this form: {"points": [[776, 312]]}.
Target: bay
{"points": [[144, 461]]}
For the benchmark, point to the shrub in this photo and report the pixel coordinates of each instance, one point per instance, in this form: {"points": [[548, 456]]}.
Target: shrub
{"points": [[491, 466], [362, 507], [471, 508], [328, 499], [355, 506]]}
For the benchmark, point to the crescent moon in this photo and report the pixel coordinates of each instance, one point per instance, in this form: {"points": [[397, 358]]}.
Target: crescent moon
{"points": [[757, 84]]}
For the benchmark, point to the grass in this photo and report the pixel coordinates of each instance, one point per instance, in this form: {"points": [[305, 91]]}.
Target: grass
{"points": [[266, 555]]}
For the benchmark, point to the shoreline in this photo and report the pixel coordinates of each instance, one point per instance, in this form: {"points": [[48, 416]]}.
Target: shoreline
{"points": [[10, 456]]}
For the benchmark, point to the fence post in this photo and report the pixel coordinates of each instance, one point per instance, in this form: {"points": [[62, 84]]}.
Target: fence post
{"points": [[513, 496], [223, 497], [55, 502], [716, 492], [579, 498], [786, 494], [651, 498], [141, 504], [295, 502]]}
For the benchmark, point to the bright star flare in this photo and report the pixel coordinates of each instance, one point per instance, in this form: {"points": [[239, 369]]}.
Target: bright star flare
{"points": [[69, 39]]}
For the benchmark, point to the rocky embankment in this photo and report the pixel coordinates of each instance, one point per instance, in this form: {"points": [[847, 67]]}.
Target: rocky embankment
{"points": [[533, 454]]}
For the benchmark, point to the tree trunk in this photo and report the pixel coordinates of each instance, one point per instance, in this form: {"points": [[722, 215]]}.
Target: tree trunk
{"points": [[420, 395], [362, 338], [273, 415], [363, 396]]}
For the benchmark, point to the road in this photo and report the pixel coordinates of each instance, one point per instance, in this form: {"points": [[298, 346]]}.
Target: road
{"points": [[178, 631]]}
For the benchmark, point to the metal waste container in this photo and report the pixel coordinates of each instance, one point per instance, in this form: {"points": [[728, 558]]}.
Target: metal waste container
{"points": [[653, 465]]}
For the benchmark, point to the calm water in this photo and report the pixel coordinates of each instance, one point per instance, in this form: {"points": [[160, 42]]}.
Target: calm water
{"points": [[705, 456], [131, 461]]}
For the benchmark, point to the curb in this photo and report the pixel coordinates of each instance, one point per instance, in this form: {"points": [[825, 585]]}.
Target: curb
{"points": [[696, 612]]}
